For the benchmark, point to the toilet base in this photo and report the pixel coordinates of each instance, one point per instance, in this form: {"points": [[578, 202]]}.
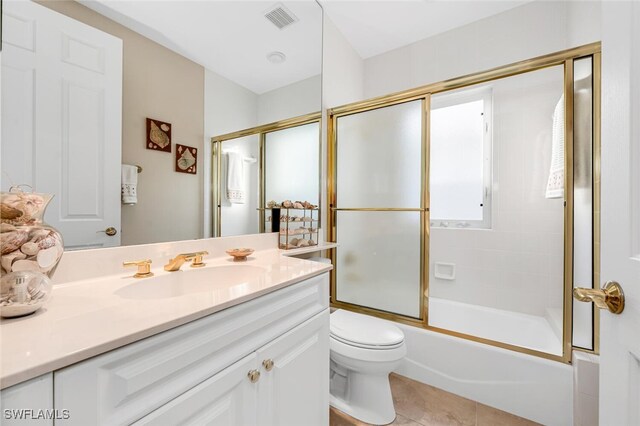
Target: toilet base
{"points": [[368, 398]]}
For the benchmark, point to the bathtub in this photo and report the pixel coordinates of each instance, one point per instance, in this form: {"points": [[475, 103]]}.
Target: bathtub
{"points": [[535, 388], [527, 331]]}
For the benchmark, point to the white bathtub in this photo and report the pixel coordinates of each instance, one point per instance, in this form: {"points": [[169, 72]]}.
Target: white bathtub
{"points": [[525, 385], [528, 331]]}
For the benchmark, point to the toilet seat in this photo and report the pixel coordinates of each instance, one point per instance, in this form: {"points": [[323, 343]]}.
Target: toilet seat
{"points": [[364, 332]]}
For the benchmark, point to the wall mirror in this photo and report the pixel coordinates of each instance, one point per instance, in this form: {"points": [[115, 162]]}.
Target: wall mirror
{"points": [[275, 162], [80, 79]]}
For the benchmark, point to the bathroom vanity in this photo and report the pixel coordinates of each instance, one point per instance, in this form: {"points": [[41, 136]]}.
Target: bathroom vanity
{"points": [[252, 348]]}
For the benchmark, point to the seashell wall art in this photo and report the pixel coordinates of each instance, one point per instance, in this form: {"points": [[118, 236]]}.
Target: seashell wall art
{"points": [[158, 135], [186, 159]]}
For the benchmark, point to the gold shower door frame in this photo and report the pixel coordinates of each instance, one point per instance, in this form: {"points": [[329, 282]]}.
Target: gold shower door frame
{"points": [[216, 160], [423, 93]]}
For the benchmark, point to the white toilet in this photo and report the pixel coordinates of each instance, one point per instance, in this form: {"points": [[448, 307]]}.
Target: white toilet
{"points": [[364, 350]]}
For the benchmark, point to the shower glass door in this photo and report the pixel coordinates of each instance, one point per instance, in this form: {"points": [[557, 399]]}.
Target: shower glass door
{"points": [[497, 184], [470, 206], [379, 209]]}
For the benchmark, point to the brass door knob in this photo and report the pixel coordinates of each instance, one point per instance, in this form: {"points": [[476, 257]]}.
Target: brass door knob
{"points": [[110, 231], [268, 364], [254, 376], [609, 297]]}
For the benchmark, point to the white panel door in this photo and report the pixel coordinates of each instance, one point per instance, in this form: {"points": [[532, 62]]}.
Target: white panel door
{"points": [[620, 334], [62, 119], [226, 399], [294, 389]]}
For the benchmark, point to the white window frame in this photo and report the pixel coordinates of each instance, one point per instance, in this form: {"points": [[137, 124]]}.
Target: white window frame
{"points": [[486, 95]]}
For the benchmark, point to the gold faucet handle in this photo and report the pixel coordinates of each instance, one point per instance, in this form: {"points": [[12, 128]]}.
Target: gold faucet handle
{"points": [[144, 267], [197, 259]]}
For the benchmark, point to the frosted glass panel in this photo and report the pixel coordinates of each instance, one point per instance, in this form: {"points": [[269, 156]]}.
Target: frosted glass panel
{"points": [[378, 261], [506, 283], [292, 164], [240, 219], [379, 157], [583, 199]]}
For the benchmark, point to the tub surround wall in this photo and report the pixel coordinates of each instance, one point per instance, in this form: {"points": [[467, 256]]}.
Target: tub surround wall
{"points": [[517, 265], [157, 83]]}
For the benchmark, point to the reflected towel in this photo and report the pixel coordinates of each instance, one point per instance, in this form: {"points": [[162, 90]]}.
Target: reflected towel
{"points": [[555, 184], [235, 178], [129, 183]]}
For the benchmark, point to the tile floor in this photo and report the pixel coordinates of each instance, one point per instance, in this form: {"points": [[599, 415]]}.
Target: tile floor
{"points": [[418, 404]]}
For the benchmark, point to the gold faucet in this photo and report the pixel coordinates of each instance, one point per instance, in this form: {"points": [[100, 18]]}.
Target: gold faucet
{"points": [[144, 268], [195, 259]]}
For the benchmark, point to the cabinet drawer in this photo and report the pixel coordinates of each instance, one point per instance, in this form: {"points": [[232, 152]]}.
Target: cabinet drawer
{"points": [[124, 385]]}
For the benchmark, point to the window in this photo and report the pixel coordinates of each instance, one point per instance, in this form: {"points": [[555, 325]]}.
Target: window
{"points": [[460, 165]]}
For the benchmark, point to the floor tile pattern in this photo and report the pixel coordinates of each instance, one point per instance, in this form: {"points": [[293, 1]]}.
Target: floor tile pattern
{"points": [[418, 404]]}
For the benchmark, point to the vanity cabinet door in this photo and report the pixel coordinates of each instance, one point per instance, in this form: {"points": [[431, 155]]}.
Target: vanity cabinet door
{"points": [[30, 403], [226, 399], [294, 383]]}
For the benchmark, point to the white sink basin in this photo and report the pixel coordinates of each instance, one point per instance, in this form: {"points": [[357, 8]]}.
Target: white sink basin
{"points": [[189, 281]]}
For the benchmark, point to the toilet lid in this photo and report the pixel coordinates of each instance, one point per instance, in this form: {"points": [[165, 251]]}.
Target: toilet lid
{"points": [[364, 331]]}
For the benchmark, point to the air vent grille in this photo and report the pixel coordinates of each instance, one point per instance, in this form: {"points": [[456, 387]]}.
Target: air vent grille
{"points": [[280, 16]]}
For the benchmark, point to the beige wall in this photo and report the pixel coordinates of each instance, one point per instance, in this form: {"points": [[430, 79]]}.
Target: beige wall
{"points": [[157, 83]]}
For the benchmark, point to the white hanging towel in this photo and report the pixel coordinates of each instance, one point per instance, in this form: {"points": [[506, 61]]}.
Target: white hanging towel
{"points": [[555, 184], [129, 184], [235, 178]]}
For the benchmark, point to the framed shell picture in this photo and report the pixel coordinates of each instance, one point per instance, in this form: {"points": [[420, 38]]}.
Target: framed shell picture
{"points": [[158, 135], [186, 159]]}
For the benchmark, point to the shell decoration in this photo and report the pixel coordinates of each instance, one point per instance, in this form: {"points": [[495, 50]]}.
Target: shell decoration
{"points": [[158, 137], [27, 243], [186, 159], [22, 293]]}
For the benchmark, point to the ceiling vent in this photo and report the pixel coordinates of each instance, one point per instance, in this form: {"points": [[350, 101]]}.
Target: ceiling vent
{"points": [[280, 16]]}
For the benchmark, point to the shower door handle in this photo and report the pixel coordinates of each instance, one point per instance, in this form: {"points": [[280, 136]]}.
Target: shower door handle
{"points": [[610, 297]]}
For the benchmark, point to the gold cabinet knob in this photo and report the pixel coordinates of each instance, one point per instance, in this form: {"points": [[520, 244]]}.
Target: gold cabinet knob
{"points": [[609, 297], [268, 364], [254, 376], [144, 267]]}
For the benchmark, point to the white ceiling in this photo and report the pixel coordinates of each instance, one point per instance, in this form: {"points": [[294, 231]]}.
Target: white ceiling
{"points": [[232, 38], [374, 27]]}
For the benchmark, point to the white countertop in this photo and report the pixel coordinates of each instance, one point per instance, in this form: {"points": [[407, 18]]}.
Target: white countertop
{"points": [[89, 317], [308, 249]]}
